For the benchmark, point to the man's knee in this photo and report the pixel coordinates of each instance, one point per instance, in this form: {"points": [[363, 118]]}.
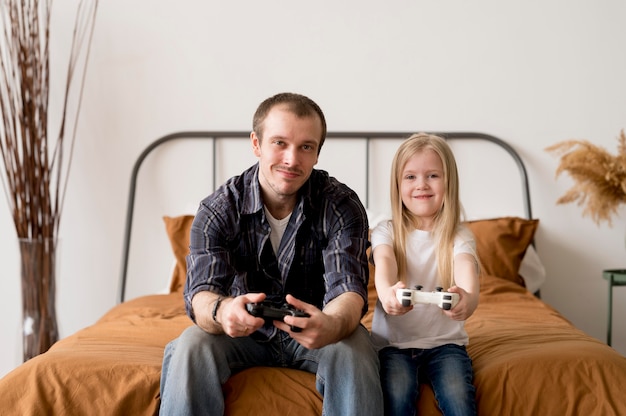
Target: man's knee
{"points": [[357, 348]]}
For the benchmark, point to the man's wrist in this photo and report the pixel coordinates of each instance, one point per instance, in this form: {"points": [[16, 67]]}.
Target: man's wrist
{"points": [[216, 306]]}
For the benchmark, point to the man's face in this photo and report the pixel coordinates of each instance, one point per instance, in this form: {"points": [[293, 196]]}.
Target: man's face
{"points": [[287, 152]]}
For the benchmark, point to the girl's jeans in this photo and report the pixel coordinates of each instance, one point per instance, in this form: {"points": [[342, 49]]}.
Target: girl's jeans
{"points": [[448, 369]]}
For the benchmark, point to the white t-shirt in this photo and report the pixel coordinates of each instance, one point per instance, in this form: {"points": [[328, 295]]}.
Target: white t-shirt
{"points": [[426, 326], [277, 229]]}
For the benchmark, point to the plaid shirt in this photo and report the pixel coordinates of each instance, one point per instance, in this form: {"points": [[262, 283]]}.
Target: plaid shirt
{"points": [[322, 253]]}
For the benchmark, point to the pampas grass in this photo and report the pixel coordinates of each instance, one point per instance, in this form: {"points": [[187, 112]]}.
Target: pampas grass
{"points": [[600, 177], [36, 161]]}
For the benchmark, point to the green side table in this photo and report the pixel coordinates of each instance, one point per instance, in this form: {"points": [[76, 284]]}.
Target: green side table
{"points": [[616, 277]]}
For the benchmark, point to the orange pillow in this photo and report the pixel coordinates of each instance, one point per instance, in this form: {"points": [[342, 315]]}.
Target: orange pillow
{"points": [[178, 229], [501, 244]]}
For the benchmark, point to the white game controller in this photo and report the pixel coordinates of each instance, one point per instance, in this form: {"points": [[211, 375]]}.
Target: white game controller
{"points": [[445, 300]]}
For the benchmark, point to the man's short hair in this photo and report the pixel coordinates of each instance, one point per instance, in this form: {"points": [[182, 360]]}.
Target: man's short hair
{"points": [[298, 104]]}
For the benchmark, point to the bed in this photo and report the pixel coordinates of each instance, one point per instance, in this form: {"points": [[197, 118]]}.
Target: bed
{"points": [[527, 358]]}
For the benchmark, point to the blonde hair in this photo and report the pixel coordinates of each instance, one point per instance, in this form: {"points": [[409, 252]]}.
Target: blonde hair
{"points": [[447, 220]]}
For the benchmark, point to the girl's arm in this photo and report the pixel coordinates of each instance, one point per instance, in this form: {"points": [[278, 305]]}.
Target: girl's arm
{"points": [[386, 280], [467, 285]]}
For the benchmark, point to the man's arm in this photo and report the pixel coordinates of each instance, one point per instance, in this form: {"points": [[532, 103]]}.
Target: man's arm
{"points": [[345, 314], [209, 271], [203, 304]]}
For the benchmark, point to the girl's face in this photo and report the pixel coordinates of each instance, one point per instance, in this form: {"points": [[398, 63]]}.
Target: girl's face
{"points": [[422, 187]]}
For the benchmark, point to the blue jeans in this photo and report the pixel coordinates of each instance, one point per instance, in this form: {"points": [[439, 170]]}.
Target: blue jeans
{"points": [[448, 369], [196, 364]]}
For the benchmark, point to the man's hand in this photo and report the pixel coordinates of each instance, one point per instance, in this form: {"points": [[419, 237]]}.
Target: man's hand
{"points": [[339, 319], [232, 316]]}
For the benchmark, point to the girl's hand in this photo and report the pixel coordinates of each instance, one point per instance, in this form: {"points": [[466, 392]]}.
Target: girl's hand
{"points": [[466, 306], [390, 302]]}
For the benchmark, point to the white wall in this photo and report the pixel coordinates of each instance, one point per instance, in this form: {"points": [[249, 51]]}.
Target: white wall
{"points": [[532, 73]]}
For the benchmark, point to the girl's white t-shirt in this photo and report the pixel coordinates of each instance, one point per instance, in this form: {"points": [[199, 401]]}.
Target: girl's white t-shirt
{"points": [[426, 326]]}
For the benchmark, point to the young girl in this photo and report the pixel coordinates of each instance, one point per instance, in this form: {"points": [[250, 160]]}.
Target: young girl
{"points": [[424, 244]]}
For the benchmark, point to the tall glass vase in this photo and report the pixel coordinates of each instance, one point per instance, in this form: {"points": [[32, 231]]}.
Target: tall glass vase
{"points": [[38, 268]]}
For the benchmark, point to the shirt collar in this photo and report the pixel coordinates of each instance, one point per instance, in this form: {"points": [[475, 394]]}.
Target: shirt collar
{"points": [[253, 202]]}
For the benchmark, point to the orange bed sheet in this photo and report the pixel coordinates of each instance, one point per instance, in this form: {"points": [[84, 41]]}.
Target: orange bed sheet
{"points": [[527, 359]]}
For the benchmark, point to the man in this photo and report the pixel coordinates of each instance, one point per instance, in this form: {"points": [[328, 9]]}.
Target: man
{"points": [[283, 232]]}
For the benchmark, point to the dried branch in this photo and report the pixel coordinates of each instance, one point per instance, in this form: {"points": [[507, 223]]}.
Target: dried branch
{"points": [[36, 163]]}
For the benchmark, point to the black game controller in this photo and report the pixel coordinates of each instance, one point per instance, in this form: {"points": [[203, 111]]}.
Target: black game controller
{"points": [[270, 312]]}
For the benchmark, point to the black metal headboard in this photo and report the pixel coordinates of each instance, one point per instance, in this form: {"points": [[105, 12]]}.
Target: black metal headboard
{"points": [[368, 137]]}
